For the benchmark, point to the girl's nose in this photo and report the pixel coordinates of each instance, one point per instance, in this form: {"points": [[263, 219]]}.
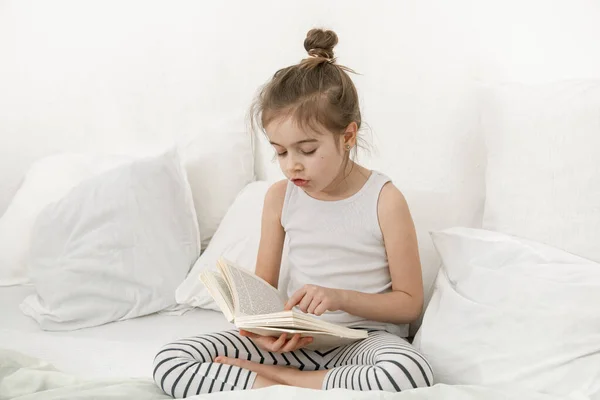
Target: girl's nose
{"points": [[294, 165]]}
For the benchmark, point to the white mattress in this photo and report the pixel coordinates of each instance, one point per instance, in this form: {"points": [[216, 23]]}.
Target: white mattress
{"points": [[119, 349]]}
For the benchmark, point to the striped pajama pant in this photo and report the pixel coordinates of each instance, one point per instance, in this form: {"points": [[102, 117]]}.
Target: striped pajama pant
{"points": [[382, 361]]}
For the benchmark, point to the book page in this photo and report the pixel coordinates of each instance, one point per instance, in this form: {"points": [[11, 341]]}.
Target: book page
{"points": [[251, 294], [219, 290], [299, 321], [224, 290]]}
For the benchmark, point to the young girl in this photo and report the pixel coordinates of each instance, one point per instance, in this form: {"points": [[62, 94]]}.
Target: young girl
{"points": [[353, 255]]}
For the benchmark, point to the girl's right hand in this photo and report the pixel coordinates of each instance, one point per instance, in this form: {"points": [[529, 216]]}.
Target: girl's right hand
{"points": [[280, 344]]}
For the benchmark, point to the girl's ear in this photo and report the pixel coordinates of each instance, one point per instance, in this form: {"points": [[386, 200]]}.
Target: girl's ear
{"points": [[350, 135]]}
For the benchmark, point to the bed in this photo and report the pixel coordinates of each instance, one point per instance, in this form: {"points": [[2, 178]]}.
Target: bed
{"points": [[496, 156], [118, 349], [114, 360]]}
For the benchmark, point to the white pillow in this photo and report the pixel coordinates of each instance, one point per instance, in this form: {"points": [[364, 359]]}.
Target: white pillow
{"points": [[543, 168], [115, 247], [46, 181], [508, 311], [219, 163], [237, 239]]}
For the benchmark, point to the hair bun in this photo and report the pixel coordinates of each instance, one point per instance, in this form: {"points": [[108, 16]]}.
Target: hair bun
{"points": [[320, 43]]}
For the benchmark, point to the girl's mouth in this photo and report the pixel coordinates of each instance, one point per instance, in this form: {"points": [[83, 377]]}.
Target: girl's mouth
{"points": [[299, 182]]}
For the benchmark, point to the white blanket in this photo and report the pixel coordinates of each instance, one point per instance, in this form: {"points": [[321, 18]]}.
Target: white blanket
{"points": [[26, 378]]}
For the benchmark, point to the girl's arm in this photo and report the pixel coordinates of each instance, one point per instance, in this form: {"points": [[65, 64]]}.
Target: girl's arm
{"points": [[272, 235], [405, 303]]}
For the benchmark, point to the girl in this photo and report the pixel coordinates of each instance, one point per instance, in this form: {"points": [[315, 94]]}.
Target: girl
{"points": [[352, 251]]}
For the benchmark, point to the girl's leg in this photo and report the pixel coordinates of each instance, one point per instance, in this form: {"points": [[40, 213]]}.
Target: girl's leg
{"points": [[383, 361], [185, 367]]}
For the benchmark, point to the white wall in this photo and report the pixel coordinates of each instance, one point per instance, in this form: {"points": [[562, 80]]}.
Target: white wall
{"points": [[134, 76], [80, 74], [537, 40]]}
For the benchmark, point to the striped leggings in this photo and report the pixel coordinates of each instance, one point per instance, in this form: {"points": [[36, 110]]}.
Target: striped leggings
{"points": [[382, 361]]}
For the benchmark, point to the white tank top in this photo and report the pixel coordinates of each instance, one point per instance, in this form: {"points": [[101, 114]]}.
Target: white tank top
{"points": [[338, 244]]}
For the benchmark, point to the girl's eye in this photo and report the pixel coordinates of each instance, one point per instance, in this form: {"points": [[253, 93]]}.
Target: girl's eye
{"points": [[282, 154], [307, 153]]}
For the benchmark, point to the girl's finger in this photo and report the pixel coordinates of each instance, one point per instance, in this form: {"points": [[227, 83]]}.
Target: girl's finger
{"points": [[320, 309], [312, 306], [305, 341], [295, 299], [249, 334], [305, 302], [278, 344], [291, 344]]}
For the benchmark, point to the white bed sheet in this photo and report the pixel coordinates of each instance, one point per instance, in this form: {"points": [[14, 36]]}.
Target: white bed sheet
{"points": [[116, 350], [26, 378], [100, 362]]}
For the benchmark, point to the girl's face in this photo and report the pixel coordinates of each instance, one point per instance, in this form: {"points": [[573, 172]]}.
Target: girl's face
{"points": [[309, 159]]}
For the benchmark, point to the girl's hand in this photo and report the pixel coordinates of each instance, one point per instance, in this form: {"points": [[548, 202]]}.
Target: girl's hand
{"points": [[316, 300], [280, 344]]}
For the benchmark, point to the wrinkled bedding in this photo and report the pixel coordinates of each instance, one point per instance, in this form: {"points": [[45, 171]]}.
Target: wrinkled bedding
{"points": [[27, 378]]}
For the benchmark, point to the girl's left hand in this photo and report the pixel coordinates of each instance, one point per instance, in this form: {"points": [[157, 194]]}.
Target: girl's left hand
{"points": [[316, 300]]}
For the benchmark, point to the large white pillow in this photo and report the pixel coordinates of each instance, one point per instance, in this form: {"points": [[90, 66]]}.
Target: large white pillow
{"points": [[46, 181], [508, 311], [219, 163], [543, 168], [115, 247], [237, 239]]}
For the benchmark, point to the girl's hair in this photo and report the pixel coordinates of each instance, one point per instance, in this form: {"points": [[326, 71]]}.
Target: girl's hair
{"points": [[317, 92]]}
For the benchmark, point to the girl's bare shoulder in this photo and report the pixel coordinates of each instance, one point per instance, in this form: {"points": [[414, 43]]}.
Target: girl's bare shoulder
{"points": [[275, 196]]}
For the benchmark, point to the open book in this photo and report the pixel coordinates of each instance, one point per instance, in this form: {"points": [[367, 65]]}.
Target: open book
{"points": [[252, 304]]}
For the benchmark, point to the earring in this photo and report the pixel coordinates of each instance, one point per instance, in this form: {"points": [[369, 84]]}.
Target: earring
{"points": [[347, 147]]}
